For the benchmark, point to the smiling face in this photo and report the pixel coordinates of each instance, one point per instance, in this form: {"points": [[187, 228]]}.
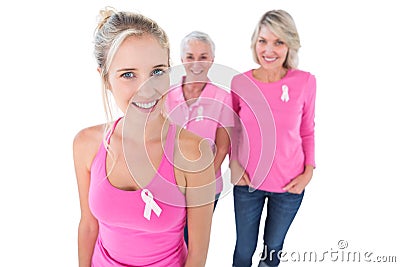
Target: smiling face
{"points": [[137, 60], [271, 51], [197, 58]]}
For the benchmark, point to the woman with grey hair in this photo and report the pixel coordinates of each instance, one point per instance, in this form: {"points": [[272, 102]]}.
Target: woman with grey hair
{"points": [[200, 106], [290, 97]]}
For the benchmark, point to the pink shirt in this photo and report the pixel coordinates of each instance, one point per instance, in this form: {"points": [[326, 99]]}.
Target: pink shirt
{"points": [[277, 139], [211, 110], [126, 236]]}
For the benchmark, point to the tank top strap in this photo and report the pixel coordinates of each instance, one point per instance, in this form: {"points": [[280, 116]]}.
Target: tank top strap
{"points": [[164, 186], [170, 142], [111, 131]]}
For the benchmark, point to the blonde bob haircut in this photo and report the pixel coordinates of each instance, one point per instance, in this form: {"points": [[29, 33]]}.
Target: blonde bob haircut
{"points": [[280, 23]]}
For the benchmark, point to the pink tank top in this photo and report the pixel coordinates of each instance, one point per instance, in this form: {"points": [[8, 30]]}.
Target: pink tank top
{"points": [[142, 227]]}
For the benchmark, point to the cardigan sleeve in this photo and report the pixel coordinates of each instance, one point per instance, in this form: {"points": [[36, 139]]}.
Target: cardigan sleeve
{"points": [[307, 122], [236, 130]]}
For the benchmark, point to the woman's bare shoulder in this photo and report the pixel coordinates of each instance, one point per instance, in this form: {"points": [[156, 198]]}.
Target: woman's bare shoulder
{"points": [[194, 151], [89, 136], [86, 144]]}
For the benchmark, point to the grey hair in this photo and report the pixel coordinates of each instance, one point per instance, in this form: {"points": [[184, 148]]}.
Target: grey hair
{"points": [[282, 25], [200, 36]]}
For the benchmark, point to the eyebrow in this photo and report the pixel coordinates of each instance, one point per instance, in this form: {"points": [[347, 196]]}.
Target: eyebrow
{"points": [[205, 53], [126, 69], [160, 66], [277, 39], [133, 69]]}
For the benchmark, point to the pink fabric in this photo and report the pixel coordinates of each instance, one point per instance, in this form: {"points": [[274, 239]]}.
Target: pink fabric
{"points": [[126, 237], [211, 110], [278, 139]]}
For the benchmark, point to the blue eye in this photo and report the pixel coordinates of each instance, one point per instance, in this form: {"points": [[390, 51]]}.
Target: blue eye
{"points": [[158, 72], [128, 75], [279, 43]]}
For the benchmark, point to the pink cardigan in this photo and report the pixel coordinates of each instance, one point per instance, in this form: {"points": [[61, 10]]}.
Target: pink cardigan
{"points": [[276, 139]]}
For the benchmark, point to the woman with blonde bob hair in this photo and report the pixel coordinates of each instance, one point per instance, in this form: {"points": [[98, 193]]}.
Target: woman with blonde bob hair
{"points": [[139, 176], [289, 95], [281, 24]]}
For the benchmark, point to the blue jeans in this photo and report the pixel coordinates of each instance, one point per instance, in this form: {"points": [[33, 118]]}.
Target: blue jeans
{"points": [[281, 210], [185, 230]]}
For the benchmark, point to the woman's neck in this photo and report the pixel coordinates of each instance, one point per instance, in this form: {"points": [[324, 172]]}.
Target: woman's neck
{"points": [[149, 130], [269, 76], [192, 90]]}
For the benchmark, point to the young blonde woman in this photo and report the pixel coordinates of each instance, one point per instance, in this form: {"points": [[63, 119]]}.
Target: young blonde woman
{"points": [[139, 176]]}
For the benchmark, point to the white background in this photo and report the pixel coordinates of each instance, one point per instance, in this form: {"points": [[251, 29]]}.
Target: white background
{"points": [[50, 90]]}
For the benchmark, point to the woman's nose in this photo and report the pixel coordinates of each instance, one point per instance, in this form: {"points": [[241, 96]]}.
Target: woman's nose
{"points": [[154, 87], [197, 64], [269, 48]]}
